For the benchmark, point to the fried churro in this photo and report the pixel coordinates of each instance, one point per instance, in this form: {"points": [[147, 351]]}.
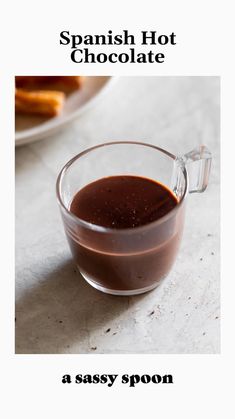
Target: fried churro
{"points": [[43, 95], [41, 102]]}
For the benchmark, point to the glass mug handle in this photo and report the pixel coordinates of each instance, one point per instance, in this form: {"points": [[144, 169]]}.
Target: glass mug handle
{"points": [[198, 165]]}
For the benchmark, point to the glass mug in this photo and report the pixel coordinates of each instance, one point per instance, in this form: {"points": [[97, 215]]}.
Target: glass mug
{"points": [[132, 260]]}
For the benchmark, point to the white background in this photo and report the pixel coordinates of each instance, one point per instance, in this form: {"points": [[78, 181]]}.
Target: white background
{"points": [[31, 385]]}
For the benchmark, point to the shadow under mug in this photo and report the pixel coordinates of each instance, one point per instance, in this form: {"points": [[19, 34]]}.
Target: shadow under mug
{"points": [[129, 261]]}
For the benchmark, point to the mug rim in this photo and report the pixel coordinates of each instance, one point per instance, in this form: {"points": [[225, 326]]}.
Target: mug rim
{"points": [[102, 229]]}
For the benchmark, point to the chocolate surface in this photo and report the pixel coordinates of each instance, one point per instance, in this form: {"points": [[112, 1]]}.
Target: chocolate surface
{"points": [[123, 202]]}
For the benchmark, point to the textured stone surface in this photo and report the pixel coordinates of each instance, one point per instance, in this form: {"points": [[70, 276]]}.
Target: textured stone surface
{"points": [[56, 311]]}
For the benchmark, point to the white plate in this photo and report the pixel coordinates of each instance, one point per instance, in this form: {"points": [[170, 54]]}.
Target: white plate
{"points": [[33, 128]]}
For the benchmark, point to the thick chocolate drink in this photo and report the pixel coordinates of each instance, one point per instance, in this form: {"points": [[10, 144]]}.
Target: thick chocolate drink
{"points": [[125, 257], [123, 202]]}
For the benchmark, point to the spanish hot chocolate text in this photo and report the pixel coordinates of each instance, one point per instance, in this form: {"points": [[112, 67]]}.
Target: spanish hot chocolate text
{"points": [[92, 48]]}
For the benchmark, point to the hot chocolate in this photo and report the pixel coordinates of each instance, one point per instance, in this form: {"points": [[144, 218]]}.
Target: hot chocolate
{"points": [[125, 204]]}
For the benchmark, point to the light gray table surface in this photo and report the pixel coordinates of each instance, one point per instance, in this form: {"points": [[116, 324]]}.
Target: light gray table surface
{"points": [[56, 310]]}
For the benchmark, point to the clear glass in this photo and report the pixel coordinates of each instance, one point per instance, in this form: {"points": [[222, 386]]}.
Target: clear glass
{"points": [[129, 261]]}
